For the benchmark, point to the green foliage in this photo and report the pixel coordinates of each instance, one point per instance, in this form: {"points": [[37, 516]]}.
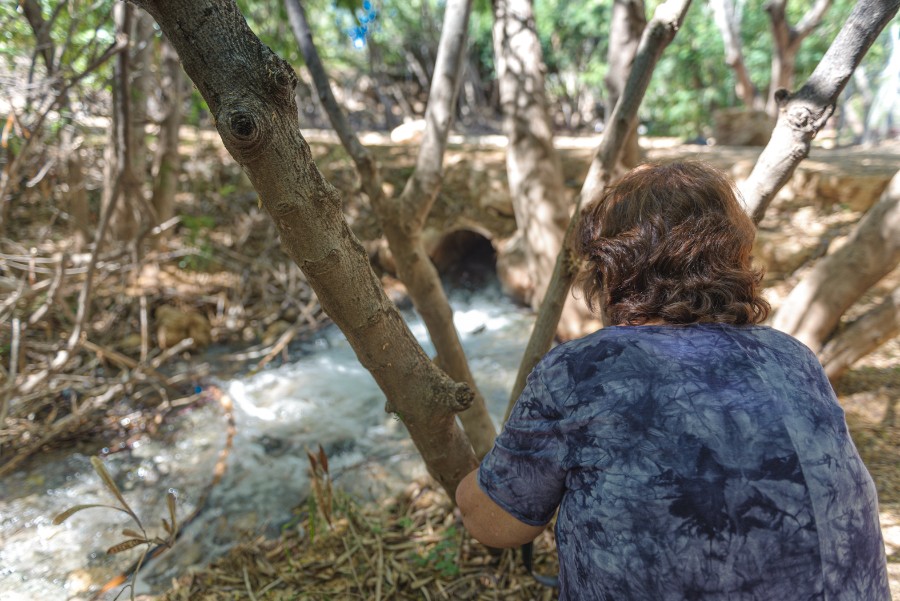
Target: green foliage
{"points": [[691, 79], [443, 557], [575, 41]]}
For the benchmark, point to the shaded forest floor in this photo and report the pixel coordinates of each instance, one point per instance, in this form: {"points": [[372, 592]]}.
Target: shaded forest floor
{"points": [[221, 263]]}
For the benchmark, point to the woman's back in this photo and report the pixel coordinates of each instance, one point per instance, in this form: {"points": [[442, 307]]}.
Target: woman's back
{"points": [[702, 459], [706, 461]]}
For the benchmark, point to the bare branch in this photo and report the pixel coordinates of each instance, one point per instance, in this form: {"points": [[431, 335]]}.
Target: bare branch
{"points": [[660, 31], [802, 115], [422, 188], [862, 336]]}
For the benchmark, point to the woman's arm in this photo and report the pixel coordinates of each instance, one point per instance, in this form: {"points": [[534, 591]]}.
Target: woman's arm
{"points": [[488, 522]]}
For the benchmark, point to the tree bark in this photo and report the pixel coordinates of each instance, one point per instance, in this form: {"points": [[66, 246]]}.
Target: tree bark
{"points": [[802, 114], [168, 160], [787, 43], [661, 30], [76, 194], [250, 93], [728, 20], [118, 172], [44, 45], [862, 336], [533, 167], [402, 219], [627, 23], [813, 309]]}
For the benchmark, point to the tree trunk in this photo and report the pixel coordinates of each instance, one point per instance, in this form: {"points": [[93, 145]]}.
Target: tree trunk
{"points": [[118, 171], [661, 30], [168, 160], [76, 194], [250, 93], [802, 114], [533, 167], [862, 336], [728, 20], [814, 307], [627, 23], [787, 43]]}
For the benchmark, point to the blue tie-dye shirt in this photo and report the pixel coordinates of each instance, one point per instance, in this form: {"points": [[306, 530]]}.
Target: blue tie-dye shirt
{"points": [[691, 462]]}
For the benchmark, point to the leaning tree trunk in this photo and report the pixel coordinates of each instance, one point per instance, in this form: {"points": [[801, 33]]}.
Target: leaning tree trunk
{"points": [[802, 114], [661, 30], [249, 91], [402, 219], [862, 336], [813, 309], [168, 162], [627, 23]]}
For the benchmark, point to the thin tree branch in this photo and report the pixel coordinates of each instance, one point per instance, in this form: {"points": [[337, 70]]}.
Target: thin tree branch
{"points": [[812, 19], [422, 188], [660, 31]]}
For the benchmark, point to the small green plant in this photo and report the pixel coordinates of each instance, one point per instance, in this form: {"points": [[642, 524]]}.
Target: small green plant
{"points": [[197, 236], [443, 556], [135, 537]]}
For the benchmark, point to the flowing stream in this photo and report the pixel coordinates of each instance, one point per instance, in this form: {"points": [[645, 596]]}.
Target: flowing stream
{"points": [[324, 398]]}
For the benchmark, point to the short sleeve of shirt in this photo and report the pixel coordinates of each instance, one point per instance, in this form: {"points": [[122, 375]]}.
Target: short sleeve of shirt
{"points": [[523, 473]]}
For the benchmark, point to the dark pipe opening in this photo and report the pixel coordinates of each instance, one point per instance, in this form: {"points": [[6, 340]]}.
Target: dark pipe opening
{"points": [[466, 259]]}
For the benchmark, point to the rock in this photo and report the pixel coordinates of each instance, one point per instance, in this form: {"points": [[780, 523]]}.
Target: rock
{"points": [[780, 254], [742, 127], [410, 132], [512, 270], [274, 331], [174, 325]]}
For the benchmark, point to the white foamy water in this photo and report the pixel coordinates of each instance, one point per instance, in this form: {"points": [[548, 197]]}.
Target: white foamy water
{"points": [[323, 398]]}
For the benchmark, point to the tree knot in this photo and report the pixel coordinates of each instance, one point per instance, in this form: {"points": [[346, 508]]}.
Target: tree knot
{"points": [[461, 397], [809, 119], [243, 132]]}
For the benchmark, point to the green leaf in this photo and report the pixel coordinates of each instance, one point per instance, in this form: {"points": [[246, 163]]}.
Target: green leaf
{"points": [[109, 482], [170, 501]]}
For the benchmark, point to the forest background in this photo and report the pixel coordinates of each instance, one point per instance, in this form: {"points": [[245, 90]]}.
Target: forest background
{"points": [[138, 259]]}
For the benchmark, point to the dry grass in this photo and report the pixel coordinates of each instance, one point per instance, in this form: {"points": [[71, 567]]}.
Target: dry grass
{"points": [[412, 547]]}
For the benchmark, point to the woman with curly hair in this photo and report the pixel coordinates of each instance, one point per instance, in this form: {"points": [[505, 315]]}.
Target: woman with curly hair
{"points": [[691, 453]]}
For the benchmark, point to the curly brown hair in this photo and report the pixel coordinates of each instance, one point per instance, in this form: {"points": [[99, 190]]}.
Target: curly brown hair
{"points": [[671, 242]]}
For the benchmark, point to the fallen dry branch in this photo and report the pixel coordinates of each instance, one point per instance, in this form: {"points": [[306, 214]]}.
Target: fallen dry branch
{"points": [[240, 292]]}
